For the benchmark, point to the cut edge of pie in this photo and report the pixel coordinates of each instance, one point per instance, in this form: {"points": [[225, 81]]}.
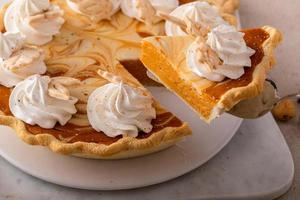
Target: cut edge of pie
{"points": [[126, 147], [158, 63]]}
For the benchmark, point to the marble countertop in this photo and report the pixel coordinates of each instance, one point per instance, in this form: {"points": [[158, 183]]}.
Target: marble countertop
{"points": [[283, 15]]}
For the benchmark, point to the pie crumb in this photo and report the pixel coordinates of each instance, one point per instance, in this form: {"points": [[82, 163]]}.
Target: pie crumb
{"points": [[284, 110]]}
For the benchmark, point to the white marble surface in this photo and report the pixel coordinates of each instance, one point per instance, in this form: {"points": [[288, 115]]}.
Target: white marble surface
{"points": [[256, 163]]}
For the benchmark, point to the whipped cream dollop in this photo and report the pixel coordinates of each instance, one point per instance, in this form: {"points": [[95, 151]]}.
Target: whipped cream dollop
{"points": [[95, 9], [145, 10], [17, 61], [227, 54], [119, 109], [9, 43], [199, 12], [30, 102], [37, 20]]}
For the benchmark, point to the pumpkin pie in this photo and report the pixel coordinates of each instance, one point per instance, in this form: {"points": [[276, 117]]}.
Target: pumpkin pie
{"points": [[87, 54], [81, 57]]}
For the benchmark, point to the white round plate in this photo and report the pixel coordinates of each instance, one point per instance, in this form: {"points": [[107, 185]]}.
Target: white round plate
{"points": [[206, 141]]}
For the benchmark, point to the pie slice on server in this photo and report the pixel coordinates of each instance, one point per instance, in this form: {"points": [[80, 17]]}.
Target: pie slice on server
{"points": [[166, 58]]}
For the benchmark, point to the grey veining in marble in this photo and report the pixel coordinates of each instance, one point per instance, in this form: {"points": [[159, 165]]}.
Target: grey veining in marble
{"points": [[256, 163]]}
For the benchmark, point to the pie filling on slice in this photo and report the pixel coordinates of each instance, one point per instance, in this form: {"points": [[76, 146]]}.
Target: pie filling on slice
{"points": [[165, 57]]}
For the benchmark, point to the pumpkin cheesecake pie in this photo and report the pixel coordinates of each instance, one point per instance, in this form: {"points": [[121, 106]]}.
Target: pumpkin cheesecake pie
{"points": [[63, 85], [212, 67], [71, 78]]}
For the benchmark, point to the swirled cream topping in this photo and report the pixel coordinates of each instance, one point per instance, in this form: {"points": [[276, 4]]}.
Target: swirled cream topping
{"points": [[145, 10], [119, 109], [199, 12], [223, 54], [40, 100], [17, 61], [37, 20], [97, 10]]}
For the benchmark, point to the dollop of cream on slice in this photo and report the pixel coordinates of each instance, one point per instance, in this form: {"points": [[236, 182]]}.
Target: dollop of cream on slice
{"points": [[203, 61], [97, 10], [17, 61], [199, 12], [119, 109], [31, 101], [37, 20], [145, 10], [224, 54]]}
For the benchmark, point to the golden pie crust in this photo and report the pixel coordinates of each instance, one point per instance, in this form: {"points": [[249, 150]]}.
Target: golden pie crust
{"points": [[165, 57], [126, 147]]}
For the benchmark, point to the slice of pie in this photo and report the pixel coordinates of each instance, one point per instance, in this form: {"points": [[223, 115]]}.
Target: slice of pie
{"points": [[78, 52], [166, 58]]}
